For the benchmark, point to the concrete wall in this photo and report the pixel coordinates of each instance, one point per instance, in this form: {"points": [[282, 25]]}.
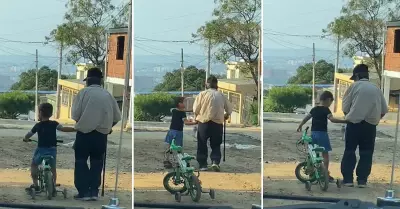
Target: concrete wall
{"points": [[116, 68], [392, 60]]}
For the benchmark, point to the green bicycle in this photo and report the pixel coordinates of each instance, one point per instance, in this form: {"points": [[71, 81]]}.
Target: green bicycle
{"points": [[313, 166], [183, 177], [45, 178]]}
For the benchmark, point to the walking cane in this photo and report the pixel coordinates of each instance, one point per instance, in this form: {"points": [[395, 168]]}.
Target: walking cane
{"points": [[224, 139], [104, 171]]}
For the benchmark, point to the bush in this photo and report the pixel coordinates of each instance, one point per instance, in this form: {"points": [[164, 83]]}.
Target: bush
{"points": [[12, 104], [153, 107], [287, 99]]}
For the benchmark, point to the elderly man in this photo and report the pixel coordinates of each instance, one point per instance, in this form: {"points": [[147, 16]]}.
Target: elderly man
{"points": [[364, 106], [208, 108], [95, 111]]}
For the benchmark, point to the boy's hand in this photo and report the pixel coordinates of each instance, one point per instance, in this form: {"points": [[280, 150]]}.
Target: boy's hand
{"points": [[299, 128]]}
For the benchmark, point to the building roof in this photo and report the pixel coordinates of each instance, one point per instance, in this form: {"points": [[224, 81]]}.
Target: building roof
{"points": [[393, 24], [118, 30], [238, 81]]}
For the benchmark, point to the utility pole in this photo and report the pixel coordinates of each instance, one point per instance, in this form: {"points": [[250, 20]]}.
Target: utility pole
{"points": [[114, 202], [313, 77], [182, 71], [260, 78], [36, 87], [58, 78], [208, 72], [334, 75], [383, 60]]}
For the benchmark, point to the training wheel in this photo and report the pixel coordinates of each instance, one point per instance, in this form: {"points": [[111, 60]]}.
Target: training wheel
{"points": [[308, 185], [178, 196], [65, 193], [338, 183], [212, 194], [33, 193]]}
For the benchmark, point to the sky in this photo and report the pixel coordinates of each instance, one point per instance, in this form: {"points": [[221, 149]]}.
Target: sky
{"points": [[23, 20], [298, 17], [169, 20]]}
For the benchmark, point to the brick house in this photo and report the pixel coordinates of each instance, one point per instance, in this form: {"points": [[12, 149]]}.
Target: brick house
{"points": [[117, 44], [391, 72]]}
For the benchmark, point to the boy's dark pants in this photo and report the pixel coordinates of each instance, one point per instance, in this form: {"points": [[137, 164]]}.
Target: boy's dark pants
{"points": [[362, 135], [213, 131], [93, 145]]}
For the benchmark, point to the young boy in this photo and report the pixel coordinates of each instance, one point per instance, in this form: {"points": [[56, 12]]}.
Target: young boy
{"points": [[319, 127], [47, 142], [176, 128]]}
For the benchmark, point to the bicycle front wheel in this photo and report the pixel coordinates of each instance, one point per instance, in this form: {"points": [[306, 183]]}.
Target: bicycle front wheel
{"points": [[304, 173]]}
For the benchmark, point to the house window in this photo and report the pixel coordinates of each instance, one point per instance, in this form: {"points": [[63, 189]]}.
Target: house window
{"points": [[64, 97], [396, 41], [120, 47]]}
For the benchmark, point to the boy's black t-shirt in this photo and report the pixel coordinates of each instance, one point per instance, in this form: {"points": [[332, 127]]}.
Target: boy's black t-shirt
{"points": [[177, 120], [320, 118], [47, 133]]}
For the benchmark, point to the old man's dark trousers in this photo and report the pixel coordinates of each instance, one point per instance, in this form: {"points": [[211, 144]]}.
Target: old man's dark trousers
{"points": [[214, 132], [361, 135], [91, 146]]}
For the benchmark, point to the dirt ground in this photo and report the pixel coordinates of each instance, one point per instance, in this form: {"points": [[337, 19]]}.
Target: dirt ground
{"points": [[237, 185], [281, 157], [15, 158]]}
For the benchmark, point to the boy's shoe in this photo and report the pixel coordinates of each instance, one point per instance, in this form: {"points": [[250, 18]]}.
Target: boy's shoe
{"points": [[215, 167], [37, 188], [82, 197], [331, 179]]}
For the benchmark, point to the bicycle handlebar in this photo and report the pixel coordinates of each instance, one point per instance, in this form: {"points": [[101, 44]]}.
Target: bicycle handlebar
{"points": [[174, 147], [58, 141]]}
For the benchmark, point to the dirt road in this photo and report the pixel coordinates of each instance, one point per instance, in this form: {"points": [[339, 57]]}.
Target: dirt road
{"points": [[237, 185], [281, 156], [15, 159]]}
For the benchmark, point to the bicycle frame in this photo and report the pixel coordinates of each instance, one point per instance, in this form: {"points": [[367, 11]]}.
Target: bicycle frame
{"points": [[182, 169], [313, 150]]}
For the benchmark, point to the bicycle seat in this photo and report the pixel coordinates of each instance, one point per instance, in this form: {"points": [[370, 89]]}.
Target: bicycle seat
{"points": [[46, 157], [188, 158], [174, 147], [319, 149]]}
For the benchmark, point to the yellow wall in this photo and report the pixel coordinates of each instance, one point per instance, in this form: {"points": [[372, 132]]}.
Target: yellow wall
{"points": [[68, 92]]}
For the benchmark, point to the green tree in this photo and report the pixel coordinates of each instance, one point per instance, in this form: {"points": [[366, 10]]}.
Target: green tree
{"points": [[287, 99], [12, 104], [153, 107], [47, 80], [360, 27], [235, 32], [194, 80], [324, 73], [84, 31]]}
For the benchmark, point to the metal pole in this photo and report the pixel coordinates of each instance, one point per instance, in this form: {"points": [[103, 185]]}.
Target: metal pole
{"points": [[383, 60], [334, 75], [208, 60], [313, 77], [36, 87], [114, 202], [58, 86], [395, 144], [182, 71], [260, 89]]}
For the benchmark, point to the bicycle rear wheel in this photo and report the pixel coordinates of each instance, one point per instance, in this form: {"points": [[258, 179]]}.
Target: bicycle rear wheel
{"points": [[49, 184], [323, 180]]}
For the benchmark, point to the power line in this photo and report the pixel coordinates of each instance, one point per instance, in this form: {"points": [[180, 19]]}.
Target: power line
{"points": [[166, 41]]}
